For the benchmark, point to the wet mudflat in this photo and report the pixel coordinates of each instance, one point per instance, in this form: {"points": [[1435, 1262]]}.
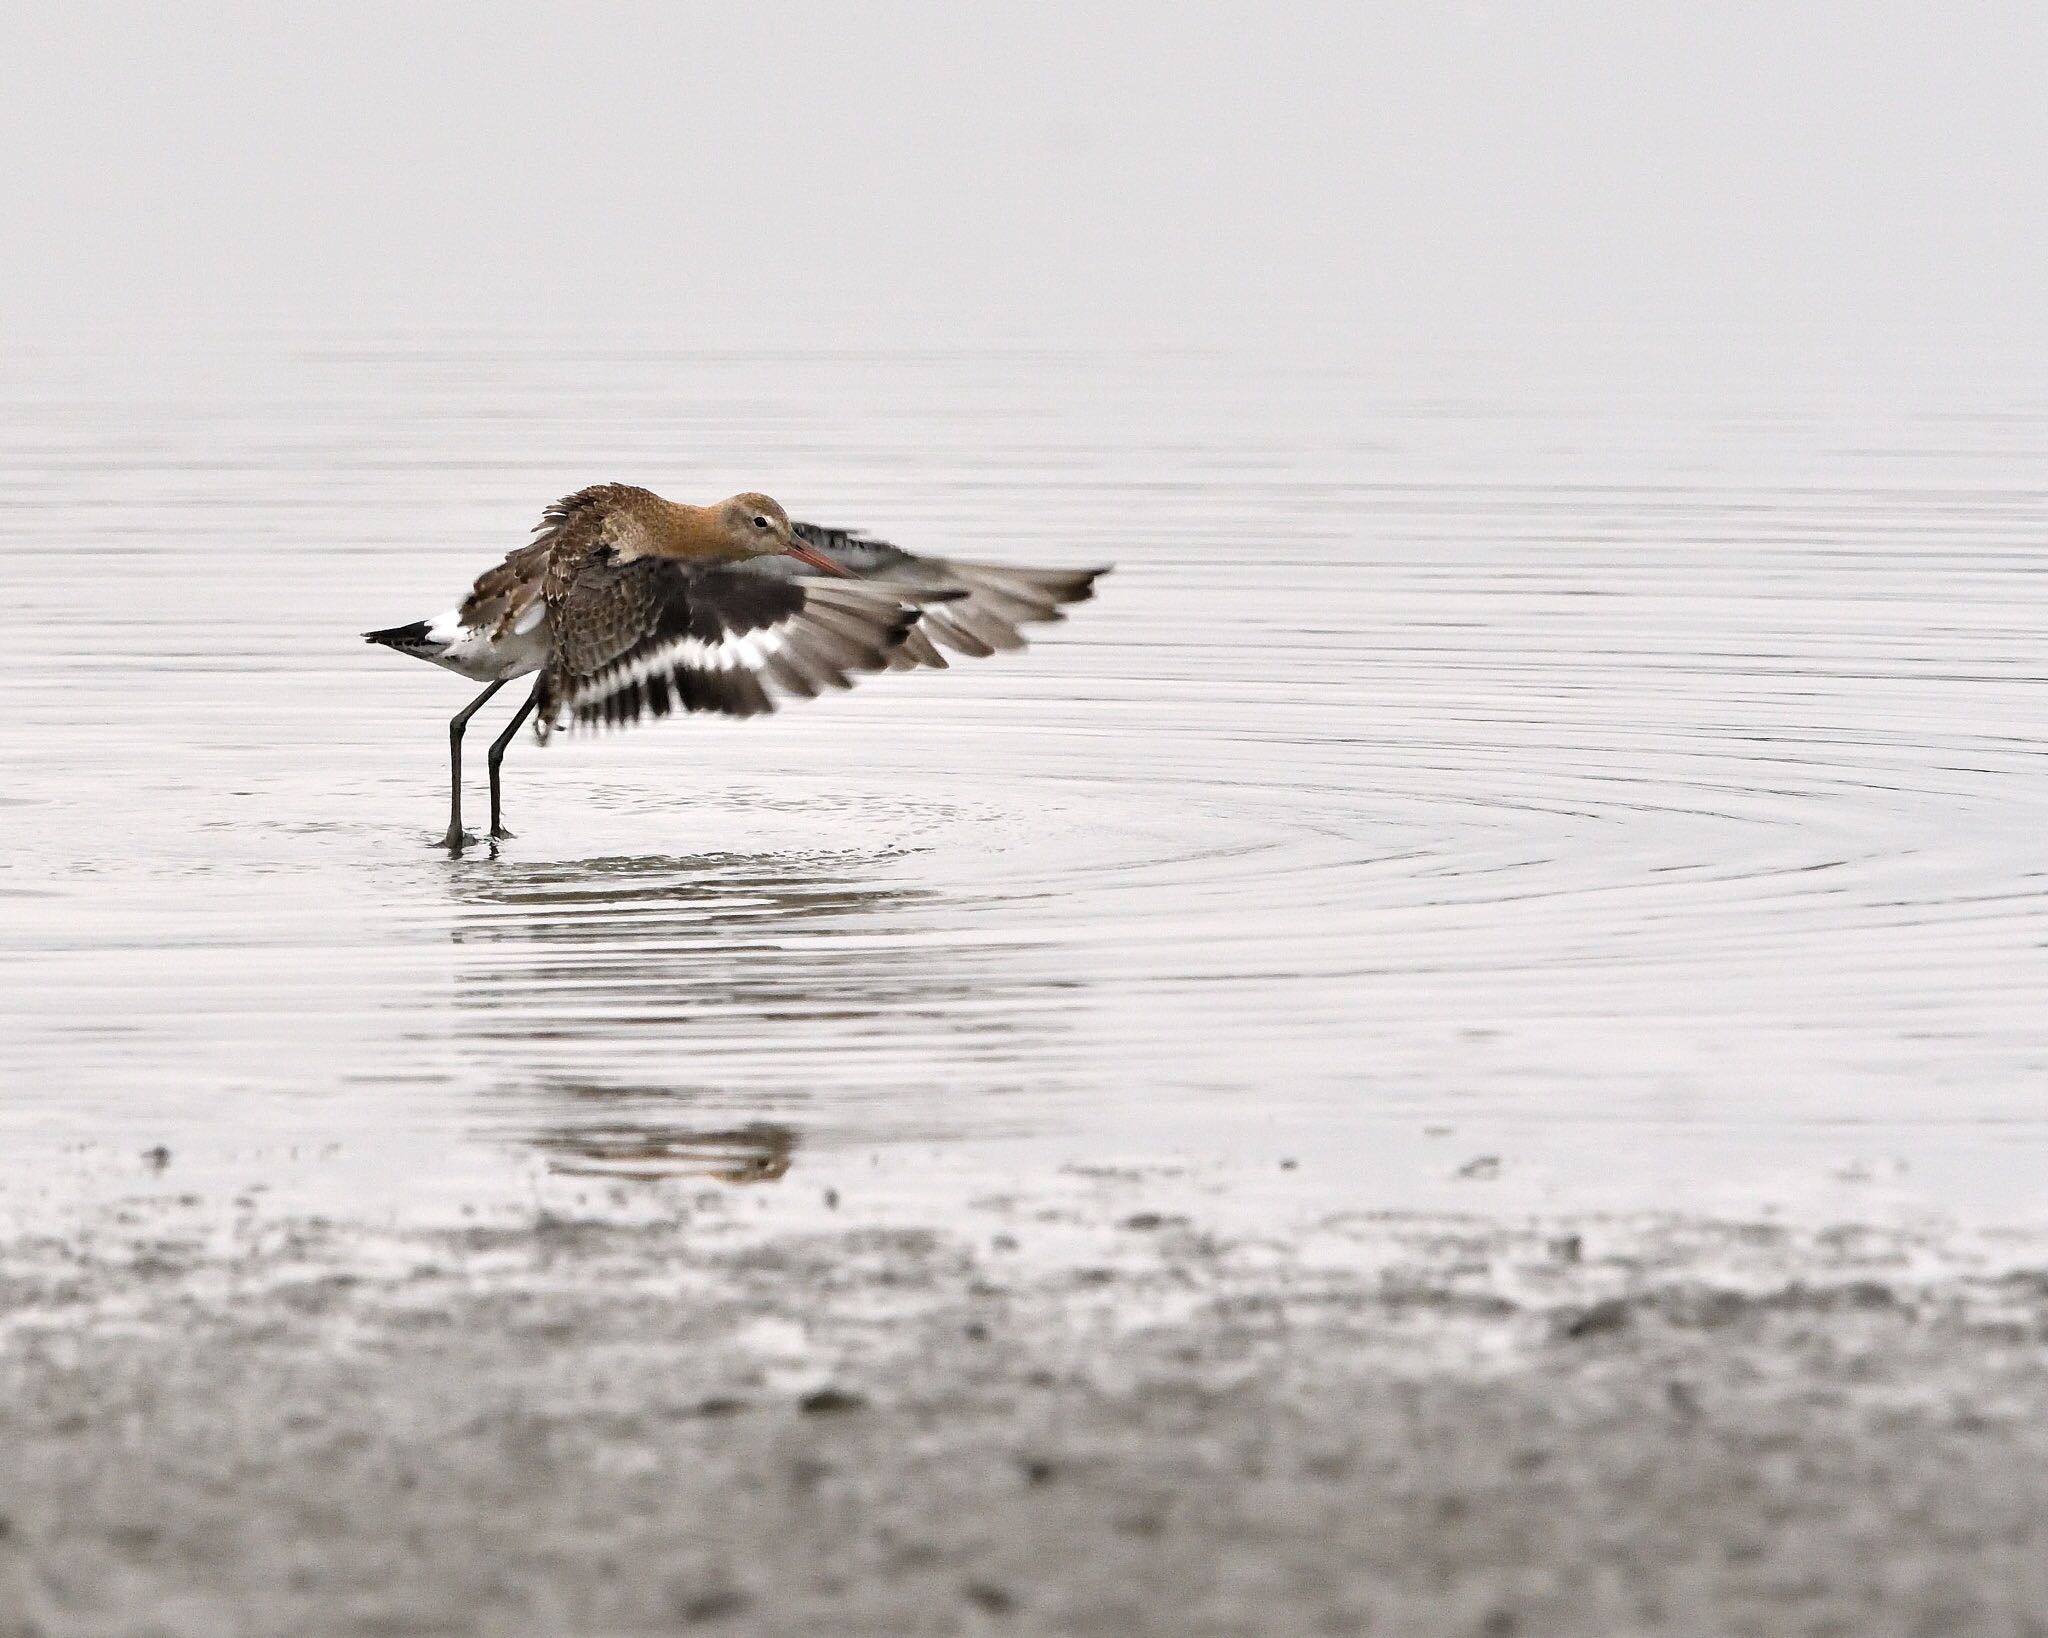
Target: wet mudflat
{"points": [[1461, 1052], [1088, 1410]]}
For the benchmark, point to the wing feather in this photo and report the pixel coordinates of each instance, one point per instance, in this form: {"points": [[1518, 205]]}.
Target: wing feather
{"points": [[988, 605], [506, 598], [652, 636]]}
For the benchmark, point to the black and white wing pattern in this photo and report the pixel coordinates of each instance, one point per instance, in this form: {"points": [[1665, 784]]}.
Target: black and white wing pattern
{"points": [[653, 635], [988, 605]]}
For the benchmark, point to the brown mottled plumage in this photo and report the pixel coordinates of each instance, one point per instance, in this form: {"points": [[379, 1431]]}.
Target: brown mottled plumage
{"points": [[991, 600], [650, 611], [503, 593]]}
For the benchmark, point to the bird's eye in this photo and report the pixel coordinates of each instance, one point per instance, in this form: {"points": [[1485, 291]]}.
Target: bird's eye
{"points": [[760, 522]]}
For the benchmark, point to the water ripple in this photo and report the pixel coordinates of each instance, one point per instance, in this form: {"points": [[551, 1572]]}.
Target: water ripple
{"points": [[1672, 771]]}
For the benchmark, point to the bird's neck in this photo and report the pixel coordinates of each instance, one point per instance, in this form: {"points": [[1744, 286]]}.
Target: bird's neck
{"points": [[689, 532]]}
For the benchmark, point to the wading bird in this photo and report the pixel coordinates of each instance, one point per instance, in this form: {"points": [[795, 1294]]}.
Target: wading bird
{"points": [[628, 604]]}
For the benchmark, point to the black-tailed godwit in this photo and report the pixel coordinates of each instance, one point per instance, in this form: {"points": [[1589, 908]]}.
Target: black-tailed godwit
{"points": [[628, 604]]}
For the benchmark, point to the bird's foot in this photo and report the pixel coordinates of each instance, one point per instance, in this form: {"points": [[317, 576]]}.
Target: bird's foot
{"points": [[500, 834], [456, 840]]}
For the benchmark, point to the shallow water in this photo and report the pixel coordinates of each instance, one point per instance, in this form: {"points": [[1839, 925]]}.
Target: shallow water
{"points": [[1516, 796]]}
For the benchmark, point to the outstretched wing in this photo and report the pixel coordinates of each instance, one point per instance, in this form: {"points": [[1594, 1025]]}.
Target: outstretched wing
{"points": [[992, 601], [653, 635]]}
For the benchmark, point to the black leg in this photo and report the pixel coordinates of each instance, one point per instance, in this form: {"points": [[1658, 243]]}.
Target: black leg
{"points": [[498, 746], [454, 839]]}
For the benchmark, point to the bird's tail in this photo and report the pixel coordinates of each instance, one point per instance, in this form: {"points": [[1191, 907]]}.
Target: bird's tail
{"points": [[416, 638]]}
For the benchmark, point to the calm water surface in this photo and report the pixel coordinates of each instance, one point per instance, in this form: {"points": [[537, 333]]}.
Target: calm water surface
{"points": [[1645, 793]]}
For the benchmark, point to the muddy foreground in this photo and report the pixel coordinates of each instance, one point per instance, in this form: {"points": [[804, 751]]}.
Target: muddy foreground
{"points": [[1082, 1415]]}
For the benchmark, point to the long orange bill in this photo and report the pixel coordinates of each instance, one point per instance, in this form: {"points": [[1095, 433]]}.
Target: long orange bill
{"points": [[817, 560]]}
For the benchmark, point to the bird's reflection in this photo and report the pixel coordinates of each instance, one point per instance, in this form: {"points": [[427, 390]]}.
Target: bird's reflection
{"points": [[667, 1016], [649, 1150]]}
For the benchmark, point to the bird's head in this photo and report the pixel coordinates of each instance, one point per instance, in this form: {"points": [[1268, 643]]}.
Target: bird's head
{"points": [[753, 525]]}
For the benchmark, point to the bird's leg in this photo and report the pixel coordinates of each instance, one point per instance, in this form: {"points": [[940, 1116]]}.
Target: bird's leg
{"points": [[454, 839], [498, 747]]}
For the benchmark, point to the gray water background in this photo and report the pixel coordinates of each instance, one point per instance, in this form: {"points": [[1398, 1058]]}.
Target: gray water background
{"points": [[1496, 786]]}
